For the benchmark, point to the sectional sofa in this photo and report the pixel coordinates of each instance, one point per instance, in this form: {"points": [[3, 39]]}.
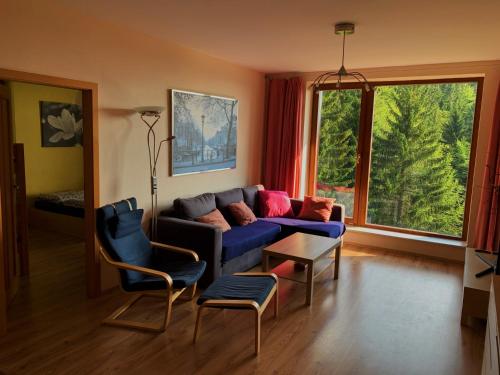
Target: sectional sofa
{"points": [[240, 248]]}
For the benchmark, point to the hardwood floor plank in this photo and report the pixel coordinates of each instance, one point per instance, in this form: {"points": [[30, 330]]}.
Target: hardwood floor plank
{"points": [[387, 314]]}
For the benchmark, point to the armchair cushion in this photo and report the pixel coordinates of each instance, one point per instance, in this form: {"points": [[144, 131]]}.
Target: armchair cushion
{"points": [[133, 248], [125, 223], [239, 287], [183, 274]]}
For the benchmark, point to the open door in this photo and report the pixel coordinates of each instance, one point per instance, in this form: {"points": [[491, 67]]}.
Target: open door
{"points": [[11, 263], [21, 209]]}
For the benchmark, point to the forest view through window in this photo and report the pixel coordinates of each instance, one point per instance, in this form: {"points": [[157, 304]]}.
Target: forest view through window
{"points": [[418, 154]]}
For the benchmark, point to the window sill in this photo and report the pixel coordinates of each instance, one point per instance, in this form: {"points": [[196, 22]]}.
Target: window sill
{"points": [[459, 244]]}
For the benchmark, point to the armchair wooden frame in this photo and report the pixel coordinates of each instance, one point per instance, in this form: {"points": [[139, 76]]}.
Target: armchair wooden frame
{"points": [[170, 294], [243, 304]]}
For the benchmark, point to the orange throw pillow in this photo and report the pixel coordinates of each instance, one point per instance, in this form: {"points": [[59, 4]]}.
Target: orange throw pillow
{"points": [[242, 213], [215, 218], [316, 208]]}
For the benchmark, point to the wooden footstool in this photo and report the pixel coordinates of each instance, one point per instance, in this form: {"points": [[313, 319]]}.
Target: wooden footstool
{"points": [[244, 291]]}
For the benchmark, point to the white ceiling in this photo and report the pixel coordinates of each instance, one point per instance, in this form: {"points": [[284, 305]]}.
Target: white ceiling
{"points": [[293, 35]]}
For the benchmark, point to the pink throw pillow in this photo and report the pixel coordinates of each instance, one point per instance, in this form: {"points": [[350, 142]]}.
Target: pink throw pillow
{"points": [[275, 204]]}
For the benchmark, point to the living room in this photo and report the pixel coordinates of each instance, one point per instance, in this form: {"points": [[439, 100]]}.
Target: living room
{"points": [[392, 300]]}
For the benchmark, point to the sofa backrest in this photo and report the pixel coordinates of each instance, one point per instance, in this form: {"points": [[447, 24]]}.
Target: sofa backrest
{"points": [[224, 198], [191, 208]]}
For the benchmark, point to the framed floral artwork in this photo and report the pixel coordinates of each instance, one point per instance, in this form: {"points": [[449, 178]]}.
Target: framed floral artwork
{"points": [[61, 124]]}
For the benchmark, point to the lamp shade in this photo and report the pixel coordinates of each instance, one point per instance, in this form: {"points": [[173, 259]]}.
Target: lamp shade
{"points": [[149, 110]]}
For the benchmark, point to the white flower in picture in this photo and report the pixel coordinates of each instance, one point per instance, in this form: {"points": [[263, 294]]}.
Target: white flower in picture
{"points": [[66, 124]]}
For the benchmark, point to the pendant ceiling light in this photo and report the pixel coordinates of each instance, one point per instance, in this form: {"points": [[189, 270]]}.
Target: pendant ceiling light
{"points": [[343, 29]]}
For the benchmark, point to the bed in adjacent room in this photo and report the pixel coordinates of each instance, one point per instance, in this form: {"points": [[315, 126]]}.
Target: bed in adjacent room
{"points": [[59, 211]]}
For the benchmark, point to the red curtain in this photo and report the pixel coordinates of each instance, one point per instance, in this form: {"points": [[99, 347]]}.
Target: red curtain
{"points": [[487, 229], [283, 153]]}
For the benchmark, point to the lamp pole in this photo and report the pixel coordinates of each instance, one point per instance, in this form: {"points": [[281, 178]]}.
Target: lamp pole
{"points": [[202, 138], [150, 116]]}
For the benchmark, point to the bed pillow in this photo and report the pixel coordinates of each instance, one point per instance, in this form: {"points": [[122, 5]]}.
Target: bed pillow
{"points": [[316, 208], [242, 214], [275, 204], [215, 218]]}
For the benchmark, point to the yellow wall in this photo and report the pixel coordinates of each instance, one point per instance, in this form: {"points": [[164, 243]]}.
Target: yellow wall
{"points": [[48, 169]]}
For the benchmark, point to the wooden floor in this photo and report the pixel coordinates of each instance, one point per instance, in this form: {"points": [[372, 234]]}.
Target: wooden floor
{"points": [[387, 314]]}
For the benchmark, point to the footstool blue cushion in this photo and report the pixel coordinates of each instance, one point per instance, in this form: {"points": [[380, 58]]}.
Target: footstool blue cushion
{"points": [[239, 287]]}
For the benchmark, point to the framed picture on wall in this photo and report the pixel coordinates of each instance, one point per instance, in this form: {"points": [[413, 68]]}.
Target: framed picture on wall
{"points": [[205, 129], [61, 124]]}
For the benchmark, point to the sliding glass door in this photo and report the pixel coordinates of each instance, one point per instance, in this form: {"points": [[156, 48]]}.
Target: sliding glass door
{"points": [[399, 157]]}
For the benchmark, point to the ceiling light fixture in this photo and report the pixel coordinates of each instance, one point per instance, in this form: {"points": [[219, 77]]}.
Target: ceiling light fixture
{"points": [[343, 28]]}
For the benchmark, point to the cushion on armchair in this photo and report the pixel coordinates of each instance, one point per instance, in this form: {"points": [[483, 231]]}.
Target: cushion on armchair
{"points": [[183, 274]]}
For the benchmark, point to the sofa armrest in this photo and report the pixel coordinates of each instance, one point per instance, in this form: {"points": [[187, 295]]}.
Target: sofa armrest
{"points": [[338, 213], [204, 239]]}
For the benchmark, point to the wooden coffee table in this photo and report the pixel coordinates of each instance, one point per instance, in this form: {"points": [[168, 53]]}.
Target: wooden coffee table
{"points": [[310, 250]]}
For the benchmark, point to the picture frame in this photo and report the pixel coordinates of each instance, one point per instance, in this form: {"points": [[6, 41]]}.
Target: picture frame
{"points": [[61, 124], [205, 130]]}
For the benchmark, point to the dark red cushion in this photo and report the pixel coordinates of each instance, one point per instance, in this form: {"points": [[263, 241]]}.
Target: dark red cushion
{"points": [[275, 204]]}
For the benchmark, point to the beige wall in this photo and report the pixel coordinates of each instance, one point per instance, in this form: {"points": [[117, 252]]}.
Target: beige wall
{"points": [[132, 70], [490, 70]]}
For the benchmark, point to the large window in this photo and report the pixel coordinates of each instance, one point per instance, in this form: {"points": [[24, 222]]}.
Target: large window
{"points": [[398, 156]]}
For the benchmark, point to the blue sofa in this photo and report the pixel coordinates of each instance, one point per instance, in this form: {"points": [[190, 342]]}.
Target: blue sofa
{"points": [[240, 248]]}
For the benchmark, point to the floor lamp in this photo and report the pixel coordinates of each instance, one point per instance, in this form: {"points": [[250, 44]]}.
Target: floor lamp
{"points": [[150, 116]]}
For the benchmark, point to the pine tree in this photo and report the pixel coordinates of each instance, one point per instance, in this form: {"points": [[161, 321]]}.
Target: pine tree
{"points": [[412, 182], [457, 132], [338, 137]]}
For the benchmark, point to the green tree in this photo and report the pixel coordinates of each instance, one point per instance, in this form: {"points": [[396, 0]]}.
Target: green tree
{"points": [[459, 103], [338, 137], [339, 126], [413, 184]]}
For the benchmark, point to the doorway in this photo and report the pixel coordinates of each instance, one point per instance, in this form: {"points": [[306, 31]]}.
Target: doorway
{"points": [[13, 256]]}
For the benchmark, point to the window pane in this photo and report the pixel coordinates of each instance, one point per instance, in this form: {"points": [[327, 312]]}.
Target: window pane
{"points": [[337, 150], [421, 142]]}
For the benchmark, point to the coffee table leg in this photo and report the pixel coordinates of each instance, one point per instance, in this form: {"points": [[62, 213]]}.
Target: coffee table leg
{"points": [[337, 262], [265, 262], [310, 282]]}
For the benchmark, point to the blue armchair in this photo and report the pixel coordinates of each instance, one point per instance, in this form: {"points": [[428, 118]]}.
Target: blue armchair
{"points": [[145, 268]]}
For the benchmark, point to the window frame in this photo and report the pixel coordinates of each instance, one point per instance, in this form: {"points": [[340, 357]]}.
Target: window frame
{"points": [[362, 175]]}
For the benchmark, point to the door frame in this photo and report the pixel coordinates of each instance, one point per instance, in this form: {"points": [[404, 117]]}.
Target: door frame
{"points": [[90, 173]]}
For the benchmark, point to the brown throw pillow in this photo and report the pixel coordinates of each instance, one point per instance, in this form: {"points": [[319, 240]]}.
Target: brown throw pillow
{"points": [[215, 218], [316, 208], [242, 213]]}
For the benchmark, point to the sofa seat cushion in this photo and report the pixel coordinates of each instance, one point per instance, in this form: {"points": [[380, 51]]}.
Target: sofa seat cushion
{"points": [[239, 240], [183, 274], [229, 287], [331, 229]]}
